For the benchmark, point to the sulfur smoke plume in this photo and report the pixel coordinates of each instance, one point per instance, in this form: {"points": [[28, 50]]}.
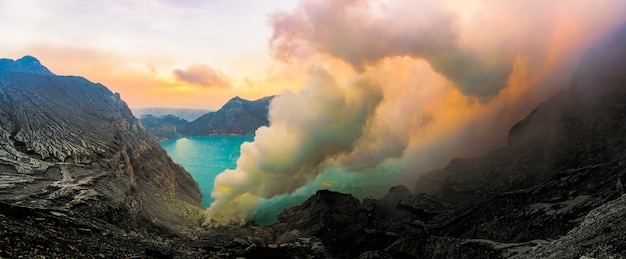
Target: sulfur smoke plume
{"points": [[399, 88]]}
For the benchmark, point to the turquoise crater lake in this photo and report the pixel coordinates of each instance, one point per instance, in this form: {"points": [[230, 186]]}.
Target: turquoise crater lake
{"points": [[205, 157]]}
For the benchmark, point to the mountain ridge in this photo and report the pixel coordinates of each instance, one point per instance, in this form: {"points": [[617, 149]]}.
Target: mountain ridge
{"points": [[238, 116], [184, 113]]}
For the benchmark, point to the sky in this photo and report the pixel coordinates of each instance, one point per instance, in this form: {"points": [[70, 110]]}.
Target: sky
{"points": [[165, 53]]}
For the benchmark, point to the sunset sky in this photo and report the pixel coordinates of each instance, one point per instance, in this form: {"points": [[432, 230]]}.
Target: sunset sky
{"points": [[168, 53], [198, 54]]}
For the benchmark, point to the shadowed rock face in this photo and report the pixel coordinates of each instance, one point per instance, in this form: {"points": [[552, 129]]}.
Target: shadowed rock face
{"points": [[565, 160], [237, 116], [69, 144], [163, 127]]}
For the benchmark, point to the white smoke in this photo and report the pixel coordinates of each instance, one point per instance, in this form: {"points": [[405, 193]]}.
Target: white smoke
{"points": [[322, 121]]}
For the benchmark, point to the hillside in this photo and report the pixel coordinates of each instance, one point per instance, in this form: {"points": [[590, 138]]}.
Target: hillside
{"points": [[72, 151], [238, 117]]}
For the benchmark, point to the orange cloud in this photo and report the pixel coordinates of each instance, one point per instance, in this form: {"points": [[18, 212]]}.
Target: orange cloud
{"points": [[203, 75]]}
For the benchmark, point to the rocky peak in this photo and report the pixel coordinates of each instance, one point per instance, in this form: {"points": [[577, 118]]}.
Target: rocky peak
{"points": [[26, 64]]}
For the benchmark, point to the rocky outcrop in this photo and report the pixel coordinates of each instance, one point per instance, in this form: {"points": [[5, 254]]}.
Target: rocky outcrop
{"points": [[236, 117], [163, 127], [73, 146]]}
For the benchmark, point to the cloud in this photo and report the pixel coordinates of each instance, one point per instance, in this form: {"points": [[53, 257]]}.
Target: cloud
{"points": [[203, 75], [472, 43], [363, 33]]}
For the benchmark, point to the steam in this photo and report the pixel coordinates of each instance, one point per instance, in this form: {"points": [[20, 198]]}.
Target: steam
{"points": [[293, 150], [400, 88], [364, 32]]}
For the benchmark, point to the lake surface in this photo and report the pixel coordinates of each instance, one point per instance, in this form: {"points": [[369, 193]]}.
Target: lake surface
{"points": [[205, 157]]}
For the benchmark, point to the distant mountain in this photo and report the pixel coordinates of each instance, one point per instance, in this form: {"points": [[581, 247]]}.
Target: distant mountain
{"points": [[163, 127], [71, 149], [187, 114], [238, 116]]}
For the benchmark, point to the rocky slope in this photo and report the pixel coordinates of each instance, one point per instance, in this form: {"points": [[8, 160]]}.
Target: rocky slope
{"points": [[238, 116], [163, 127], [71, 150]]}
